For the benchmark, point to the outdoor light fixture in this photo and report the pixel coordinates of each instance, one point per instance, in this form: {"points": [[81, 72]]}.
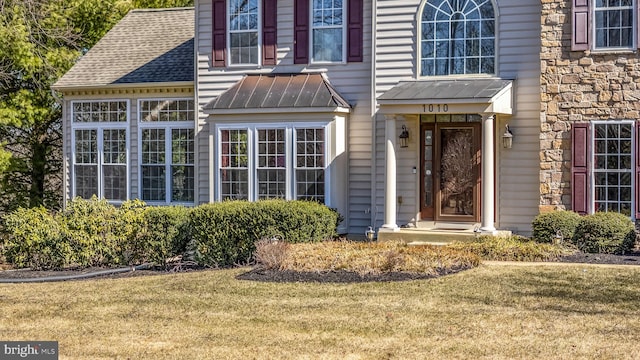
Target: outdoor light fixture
{"points": [[404, 137], [370, 233], [507, 138]]}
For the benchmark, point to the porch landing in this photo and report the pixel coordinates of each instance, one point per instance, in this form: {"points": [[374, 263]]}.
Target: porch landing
{"points": [[435, 233]]}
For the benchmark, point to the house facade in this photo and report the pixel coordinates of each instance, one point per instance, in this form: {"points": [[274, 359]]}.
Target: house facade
{"points": [[589, 135], [425, 114]]}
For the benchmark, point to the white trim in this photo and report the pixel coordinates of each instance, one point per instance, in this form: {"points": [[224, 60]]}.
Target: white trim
{"points": [[284, 110], [258, 30], [634, 28], [167, 126], [344, 27], [99, 127], [632, 170], [252, 153], [418, 44]]}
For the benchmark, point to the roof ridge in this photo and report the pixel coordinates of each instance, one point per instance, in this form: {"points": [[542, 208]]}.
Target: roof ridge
{"points": [[184, 8]]}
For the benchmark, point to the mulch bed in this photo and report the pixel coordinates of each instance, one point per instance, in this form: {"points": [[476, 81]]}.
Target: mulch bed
{"points": [[257, 274]]}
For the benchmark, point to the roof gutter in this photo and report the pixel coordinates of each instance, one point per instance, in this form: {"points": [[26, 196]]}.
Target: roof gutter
{"points": [[123, 86]]}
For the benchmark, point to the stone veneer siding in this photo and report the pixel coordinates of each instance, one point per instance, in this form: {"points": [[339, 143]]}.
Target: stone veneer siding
{"points": [[576, 86]]}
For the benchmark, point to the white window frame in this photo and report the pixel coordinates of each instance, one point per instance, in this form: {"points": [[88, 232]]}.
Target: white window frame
{"points": [[592, 170], [167, 127], [290, 153], [258, 30], [344, 35], [479, 74], [634, 24], [100, 127]]}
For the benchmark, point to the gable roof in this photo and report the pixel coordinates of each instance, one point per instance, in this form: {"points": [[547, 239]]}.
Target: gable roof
{"points": [[146, 46], [278, 91]]}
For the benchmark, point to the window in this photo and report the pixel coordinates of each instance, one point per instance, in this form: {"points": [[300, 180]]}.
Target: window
{"points": [[234, 165], [264, 163], [604, 169], [167, 151], [244, 32], [613, 24], [603, 25], [244, 21], [457, 37], [309, 165], [613, 167], [100, 149], [327, 29]]}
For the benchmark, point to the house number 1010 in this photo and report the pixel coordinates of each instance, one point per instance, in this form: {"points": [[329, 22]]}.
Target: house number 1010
{"points": [[435, 108]]}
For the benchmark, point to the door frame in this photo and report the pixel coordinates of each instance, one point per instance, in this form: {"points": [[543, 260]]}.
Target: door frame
{"points": [[434, 213]]}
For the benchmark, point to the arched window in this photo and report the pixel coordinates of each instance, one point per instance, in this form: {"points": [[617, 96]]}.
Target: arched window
{"points": [[457, 37]]}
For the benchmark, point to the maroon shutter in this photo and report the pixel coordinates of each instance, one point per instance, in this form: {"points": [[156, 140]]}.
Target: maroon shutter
{"points": [[637, 183], [580, 168], [354, 34], [580, 25], [269, 32], [219, 35], [301, 32]]}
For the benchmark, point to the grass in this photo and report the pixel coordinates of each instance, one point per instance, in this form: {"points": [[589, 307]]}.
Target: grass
{"points": [[375, 257], [496, 312]]}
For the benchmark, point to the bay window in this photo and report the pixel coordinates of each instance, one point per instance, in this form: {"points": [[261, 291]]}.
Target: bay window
{"points": [[259, 162]]}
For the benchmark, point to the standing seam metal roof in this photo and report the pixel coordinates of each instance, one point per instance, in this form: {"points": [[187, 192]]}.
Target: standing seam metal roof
{"points": [[279, 91]]}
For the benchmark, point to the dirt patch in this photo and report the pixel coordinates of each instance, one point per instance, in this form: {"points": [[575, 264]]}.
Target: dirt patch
{"points": [[258, 274]]}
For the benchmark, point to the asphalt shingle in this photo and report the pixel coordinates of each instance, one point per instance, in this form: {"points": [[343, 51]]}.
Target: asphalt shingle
{"points": [[146, 46]]}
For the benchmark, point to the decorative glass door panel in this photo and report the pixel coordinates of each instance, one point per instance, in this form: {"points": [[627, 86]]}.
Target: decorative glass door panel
{"points": [[426, 158], [457, 176]]}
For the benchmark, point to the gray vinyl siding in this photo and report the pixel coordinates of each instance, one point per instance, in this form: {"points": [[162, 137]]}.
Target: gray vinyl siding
{"points": [[352, 81], [518, 26]]}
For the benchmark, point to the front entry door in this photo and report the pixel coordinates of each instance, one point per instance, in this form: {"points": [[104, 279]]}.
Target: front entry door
{"points": [[450, 172]]}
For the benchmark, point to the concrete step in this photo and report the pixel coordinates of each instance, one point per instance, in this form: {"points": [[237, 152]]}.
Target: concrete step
{"points": [[426, 236]]}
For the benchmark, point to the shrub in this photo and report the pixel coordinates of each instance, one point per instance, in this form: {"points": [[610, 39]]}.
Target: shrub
{"points": [[225, 233], [547, 226], [271, 253], [95, 233], [605, 232], [511, 248], [165, 234], [33, 239], [90, 228]]}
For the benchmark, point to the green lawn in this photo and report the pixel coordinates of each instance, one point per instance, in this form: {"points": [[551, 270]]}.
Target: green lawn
{"points": [[497, 312]]}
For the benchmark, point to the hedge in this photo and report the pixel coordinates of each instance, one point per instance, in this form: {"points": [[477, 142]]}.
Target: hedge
{"points": [[605, 232], [96, 233], [225, 233], [547, 226]]}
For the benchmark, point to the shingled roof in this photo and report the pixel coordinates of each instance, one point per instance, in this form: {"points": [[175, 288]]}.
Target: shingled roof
{"points": [[277, 91], [146, 46]]}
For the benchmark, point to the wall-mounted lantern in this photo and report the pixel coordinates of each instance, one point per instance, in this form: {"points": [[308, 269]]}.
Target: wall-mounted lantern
{"points": [[404, 137], [507, 138], [370, 234]]}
